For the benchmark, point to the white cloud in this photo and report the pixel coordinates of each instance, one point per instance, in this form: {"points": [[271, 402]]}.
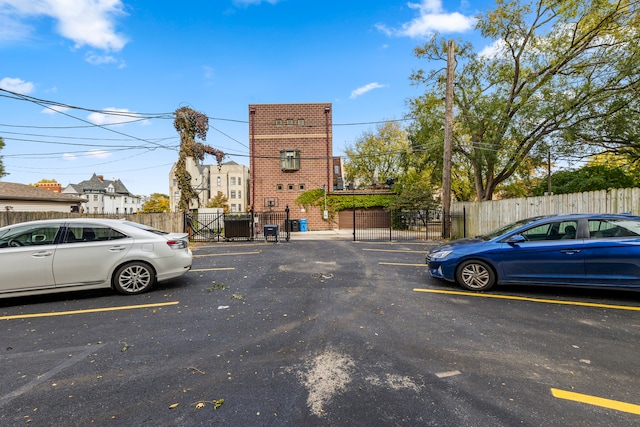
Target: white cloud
{"points": [[494, 50], [16, 85], [431, 18], [364, 89], [55, 109], [97, 154], [112, 116], [86, 22], [70, 157], [246, 3], [95, 59]]}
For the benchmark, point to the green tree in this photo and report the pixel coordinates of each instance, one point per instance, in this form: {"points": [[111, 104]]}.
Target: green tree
{"points": [[377, 156], [556, 67], [157, 202], [219, 201], [2, 171], [190, 125], [603, 172]]}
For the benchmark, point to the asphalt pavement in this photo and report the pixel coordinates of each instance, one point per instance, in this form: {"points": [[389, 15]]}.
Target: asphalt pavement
{"points": [[319, 331]]}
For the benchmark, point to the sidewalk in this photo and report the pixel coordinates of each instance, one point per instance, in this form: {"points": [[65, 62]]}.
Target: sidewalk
{"points": [[321, 235]]}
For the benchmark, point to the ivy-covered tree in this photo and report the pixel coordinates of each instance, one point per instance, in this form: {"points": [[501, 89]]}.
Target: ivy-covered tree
{"points": [[2, 171], [190, 125]]}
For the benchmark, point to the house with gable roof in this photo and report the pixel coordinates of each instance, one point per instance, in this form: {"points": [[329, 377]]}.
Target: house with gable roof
{"points": [[105, 196], [26, 198]]}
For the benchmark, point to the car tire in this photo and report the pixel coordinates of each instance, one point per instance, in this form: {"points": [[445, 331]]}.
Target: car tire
{"points": [[475, 275], [134, 278]]}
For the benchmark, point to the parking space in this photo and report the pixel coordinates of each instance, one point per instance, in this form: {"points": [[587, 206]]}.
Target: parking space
{"points": [[319, 333]]}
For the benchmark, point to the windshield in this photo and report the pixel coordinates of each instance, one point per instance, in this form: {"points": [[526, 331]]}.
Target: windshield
{"points": [[507, 228]]}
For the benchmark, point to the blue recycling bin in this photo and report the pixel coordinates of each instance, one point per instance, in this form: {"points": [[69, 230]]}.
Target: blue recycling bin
{"points": [[303, 224]]}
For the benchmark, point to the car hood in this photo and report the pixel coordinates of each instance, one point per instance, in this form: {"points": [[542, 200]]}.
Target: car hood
{"points": [[457, 242]]}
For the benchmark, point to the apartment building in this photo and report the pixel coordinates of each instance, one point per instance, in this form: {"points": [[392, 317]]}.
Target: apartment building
{"points": [[290, 153], [230, 178]]}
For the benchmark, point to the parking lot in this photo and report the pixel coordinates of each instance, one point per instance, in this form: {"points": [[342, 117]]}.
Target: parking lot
{"points": [[320, 332]]}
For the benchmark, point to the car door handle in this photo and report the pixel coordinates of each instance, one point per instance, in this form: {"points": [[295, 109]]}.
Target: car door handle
{"points": [[42, 254], [117, 248], [570, 251]]}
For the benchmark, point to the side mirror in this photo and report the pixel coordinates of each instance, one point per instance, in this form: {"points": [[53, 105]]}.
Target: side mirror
{"points": [[515, 239]]}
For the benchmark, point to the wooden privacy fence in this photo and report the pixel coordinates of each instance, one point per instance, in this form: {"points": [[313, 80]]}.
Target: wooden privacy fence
{"points": [[482, 217], [167, 221]]}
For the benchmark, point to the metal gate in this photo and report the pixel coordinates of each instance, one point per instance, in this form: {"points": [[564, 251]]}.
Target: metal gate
{"points": [[397, 225], [269, 225]]}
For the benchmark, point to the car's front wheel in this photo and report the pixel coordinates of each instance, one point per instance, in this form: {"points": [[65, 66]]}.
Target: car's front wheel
{"points": [[134, 278], [475, 275]]}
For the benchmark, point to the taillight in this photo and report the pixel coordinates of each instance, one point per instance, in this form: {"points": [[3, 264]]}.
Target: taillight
{"points": [[177, 244]]}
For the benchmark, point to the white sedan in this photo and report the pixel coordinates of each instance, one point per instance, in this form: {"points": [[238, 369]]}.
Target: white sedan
{"points": [[60, 255]]}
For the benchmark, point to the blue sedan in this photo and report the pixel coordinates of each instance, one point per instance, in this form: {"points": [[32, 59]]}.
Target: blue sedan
{"points": [[600, 250]]}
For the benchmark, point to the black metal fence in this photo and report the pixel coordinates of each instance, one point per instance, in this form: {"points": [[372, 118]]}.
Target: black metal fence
{"points": [[270, 226], [398, 225]]}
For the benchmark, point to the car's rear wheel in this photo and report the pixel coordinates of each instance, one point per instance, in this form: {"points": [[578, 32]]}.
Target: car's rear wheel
{"points": [[134, 278], [475, 275]]}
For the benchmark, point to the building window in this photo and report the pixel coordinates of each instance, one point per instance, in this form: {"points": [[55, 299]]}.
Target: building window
{"points": [[95, 197], [240, 208], [289, 122], [239, 194], [233, 208], [279, 187], [290, 160], [336, 169], [233, 194], [301, 187], [232, 180], [300, 122], [219, 180], [278, 122], [239, 181], [290, 187]]}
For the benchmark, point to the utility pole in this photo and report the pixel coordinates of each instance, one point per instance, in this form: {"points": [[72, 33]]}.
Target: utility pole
{"points": [[448, 136], [549, 173]]}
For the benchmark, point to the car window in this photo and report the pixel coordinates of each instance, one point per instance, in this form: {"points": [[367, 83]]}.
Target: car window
{"points": [[145, 227], [555, 230], [29, 235], [610, 228], [91, 233]]}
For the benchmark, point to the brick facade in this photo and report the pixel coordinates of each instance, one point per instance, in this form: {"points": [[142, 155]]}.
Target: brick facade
{"points": [[301, 134]]}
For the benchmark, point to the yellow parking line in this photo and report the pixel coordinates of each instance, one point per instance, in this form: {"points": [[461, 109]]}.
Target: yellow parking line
{"points": [[91, 310], [213, 269], [230, 253], [596, 401], [513, 297], [401, 263], [391, 250]]}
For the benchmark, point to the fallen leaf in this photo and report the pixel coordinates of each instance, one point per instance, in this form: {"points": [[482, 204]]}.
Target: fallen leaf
{"points": [[175, 405]]}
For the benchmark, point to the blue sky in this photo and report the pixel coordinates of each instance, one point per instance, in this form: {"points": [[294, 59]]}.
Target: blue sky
{"points": [[143, 59]]}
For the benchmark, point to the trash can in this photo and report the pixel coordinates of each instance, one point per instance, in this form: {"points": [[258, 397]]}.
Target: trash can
{"points": [[303, 225], [293, 225], [271, 231]]}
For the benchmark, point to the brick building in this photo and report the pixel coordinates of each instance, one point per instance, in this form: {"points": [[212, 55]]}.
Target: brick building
{"points": [[291, 152]]}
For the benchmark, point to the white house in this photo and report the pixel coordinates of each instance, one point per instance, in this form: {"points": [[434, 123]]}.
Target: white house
{"points": [[105, 196]]}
